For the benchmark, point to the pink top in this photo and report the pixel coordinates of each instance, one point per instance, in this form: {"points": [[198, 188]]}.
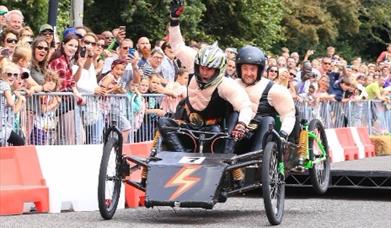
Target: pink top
{"points": [[169, 103]]}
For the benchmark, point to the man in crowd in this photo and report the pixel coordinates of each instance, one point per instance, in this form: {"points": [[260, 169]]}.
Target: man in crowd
{"points": [[131, 70], [144, 49], [14, 20]]}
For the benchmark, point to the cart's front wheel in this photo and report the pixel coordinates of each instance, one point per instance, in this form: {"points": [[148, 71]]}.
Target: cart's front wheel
{"points": [[320, 172], [273, 184], [109, 185]]}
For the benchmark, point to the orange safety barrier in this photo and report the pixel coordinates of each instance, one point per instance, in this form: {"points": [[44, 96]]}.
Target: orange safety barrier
{"points": [[133, 196], [346, 140], [364, 136], [21, 180]]}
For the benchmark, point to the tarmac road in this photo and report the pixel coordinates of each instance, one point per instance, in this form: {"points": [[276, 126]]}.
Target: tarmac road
{"points": [[303, 208]]}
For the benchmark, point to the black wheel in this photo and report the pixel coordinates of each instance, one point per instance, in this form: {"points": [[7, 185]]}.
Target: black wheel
{"points": [[320, 172], [109, 185], [273, 184]]}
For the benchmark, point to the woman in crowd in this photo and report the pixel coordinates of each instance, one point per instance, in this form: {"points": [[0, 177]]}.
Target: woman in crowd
{"points": [[40, 49], [8, 40], [61, 62], [272, 72]]}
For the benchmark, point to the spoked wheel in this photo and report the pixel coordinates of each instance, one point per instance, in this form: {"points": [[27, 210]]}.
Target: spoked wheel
{"points": [[273, 184], [320, 172], [110, 178]]}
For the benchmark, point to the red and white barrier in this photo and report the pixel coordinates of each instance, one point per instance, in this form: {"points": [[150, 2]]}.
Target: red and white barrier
{"points": [[349, 144]]}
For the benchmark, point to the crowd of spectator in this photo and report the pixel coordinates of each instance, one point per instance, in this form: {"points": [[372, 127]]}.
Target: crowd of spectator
{"points": [[83, 62]]}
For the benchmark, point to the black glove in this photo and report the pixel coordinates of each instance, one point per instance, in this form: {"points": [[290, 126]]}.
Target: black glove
{"points": [[284, 135], [177, 7]]}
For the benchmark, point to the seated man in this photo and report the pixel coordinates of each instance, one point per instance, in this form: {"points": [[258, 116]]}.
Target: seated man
{"points": [[211, 97], [269, 100]]}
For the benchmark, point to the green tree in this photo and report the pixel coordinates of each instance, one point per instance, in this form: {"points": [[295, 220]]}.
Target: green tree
{"points": [[236, 23]]}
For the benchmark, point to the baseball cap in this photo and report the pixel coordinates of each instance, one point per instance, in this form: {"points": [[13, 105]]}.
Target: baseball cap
{"points": [[71, 30], [233, 50], [46, 27], [3, 12]]}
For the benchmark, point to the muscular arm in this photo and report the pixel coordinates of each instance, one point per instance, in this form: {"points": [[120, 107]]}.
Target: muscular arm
{"points": [[237, 96], [184, 53], [280, 98]]}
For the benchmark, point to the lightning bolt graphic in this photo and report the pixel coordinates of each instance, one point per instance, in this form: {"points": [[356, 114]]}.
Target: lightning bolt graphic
{"points": [[183, 180]]}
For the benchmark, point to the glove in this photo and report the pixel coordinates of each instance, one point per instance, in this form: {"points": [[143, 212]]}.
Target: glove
{"points": [[284, 135], [177, 7], [239, 131]]}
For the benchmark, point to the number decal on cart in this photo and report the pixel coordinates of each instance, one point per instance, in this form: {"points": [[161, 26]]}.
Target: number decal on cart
{"points": [[191, 160]]}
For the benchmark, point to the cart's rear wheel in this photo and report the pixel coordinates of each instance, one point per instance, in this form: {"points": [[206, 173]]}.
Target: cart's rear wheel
{"points": [[110, 179], [273, 184], [320, 172]]}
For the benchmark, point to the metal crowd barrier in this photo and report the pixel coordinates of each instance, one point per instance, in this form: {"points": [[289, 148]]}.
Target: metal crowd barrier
{"points": [[373, 114], [57, 119]]}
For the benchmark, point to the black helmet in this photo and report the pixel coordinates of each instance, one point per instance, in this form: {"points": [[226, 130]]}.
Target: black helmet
{"points": [[250, 55]]}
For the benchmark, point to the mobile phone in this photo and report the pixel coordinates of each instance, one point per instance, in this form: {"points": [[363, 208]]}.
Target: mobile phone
{"points": [[131, 52], [5, 52], [83, 51]]}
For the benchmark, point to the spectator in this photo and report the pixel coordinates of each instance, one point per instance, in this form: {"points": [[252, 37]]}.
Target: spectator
{"points": [[296, 57], [39, 61], [169, 65], [131, 71], [153, 65], [272, 61], [9, 106], [231, 53], [82, 30], [3, 22], [108, 36], [61, 62], [322, 93], [26, 36], [144, 49], [343, 89], [22, 57], [230, 71], [174, 92], [281, 61], [385, 56], [137, 106], [331, 53], [99, 55], [47, 32], [375, 90], [14, 20], [8, 40], [291, 63], [272, 72], [45, 118], [111, 83]]}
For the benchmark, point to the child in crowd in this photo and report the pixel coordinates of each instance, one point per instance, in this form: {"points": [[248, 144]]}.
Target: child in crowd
{"points": [[175, 92], [116, 106], [137, 106], [45, 120], [8, 105]]}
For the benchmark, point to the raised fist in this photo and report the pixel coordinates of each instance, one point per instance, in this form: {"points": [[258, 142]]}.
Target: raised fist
{"points": [[177, 7]]}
